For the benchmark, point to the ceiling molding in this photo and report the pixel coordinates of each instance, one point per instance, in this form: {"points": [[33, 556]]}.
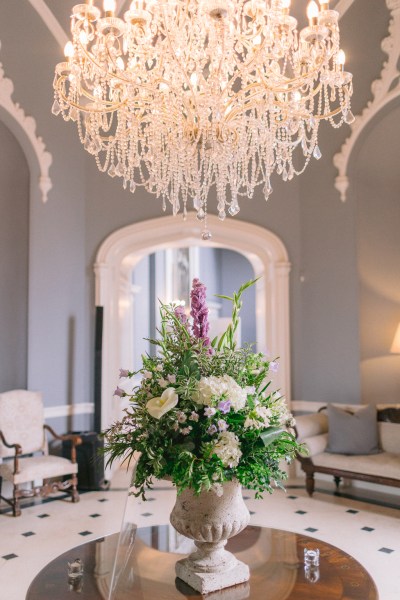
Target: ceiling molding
{"points": [[50, 21], [25, 132], [343, 6], [384, 90]]}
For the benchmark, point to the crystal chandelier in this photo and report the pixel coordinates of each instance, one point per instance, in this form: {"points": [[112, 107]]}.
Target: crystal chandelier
{"points": [[180, 96]]}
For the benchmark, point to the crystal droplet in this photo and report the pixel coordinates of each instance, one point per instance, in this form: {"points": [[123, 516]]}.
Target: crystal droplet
{"points": [[233, 209], [290, 172], [221, 215], [206, 235], [111, 171], [119, 169], [97, 144], [74, 114], [284, 174], [196, 203], [132, 186], [184, 215], [317, 152], [125, 183], [267, 190], [348, 117], [201, 214], [56, 108]]}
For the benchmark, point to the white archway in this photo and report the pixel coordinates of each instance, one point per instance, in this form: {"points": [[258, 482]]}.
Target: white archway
{"points": [[123, 249]]}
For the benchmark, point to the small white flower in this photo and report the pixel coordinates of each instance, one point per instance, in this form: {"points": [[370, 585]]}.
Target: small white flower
{"points": [[186, 430], [147, 375], [181, 417], [171, 378], [159, 368], [157, 407], [162, 382], [194, 416]]}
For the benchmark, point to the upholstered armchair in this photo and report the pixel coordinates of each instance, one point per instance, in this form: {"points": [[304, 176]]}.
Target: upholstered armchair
{"points": [[24, 450]]}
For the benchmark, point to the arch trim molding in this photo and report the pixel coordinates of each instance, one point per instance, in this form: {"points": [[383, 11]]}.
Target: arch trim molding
{"points": [[124, 248], [384, 90], [25, 132]]}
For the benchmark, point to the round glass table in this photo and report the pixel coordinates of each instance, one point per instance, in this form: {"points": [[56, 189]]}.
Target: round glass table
{"points": [[140, 565]]}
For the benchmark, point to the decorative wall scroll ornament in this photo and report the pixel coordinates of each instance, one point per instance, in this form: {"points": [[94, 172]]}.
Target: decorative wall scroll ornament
{"points": [[28, 125], [185, 96], [384, 90]]}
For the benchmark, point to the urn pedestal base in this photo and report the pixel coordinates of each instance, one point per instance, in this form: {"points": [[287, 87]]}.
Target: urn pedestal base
{"points": [[205, 583]]}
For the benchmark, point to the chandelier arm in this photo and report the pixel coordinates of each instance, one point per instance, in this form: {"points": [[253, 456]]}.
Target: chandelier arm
{"points": [[106, 109]]}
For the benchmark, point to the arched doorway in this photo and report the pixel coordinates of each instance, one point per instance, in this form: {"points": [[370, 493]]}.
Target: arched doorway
{"points": [[124, 248]]}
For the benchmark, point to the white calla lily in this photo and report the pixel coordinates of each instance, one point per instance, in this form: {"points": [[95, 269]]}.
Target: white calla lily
{"points": [[157, 407]]}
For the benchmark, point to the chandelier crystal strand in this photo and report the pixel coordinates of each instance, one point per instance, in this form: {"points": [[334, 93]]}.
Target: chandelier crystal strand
{"points": [[182, 96]]}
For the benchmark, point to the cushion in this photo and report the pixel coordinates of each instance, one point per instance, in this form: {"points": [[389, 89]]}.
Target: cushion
{"points": [[383, 464], [389, 437], [352, 433], [37, 467]]}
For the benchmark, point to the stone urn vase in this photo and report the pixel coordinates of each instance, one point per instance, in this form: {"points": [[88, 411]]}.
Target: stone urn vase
{"points": [[210, 519]]}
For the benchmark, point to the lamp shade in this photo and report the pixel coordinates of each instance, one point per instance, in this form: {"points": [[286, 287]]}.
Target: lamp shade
{"points": [[395, 347]]}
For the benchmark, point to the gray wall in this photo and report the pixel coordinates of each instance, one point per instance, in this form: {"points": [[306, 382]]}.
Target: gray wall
{"points": [[58, 317], [14, 250], [377, 194]]}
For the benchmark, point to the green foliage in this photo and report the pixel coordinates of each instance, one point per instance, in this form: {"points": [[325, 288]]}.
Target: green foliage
{"points": [[225, 422]]}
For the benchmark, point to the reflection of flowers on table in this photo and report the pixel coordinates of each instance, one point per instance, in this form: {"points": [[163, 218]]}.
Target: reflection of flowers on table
{"points": [[204, 412]]}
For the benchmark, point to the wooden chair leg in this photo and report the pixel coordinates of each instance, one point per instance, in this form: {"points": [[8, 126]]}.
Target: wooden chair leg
{"points": [[74, 489], [310, 483], [337, 481], [15, 502]]}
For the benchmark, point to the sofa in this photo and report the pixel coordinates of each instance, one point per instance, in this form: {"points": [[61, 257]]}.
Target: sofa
{"points": [[379, 465]]}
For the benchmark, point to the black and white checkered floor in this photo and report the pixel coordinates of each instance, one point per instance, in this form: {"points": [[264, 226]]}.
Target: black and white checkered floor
{"points": [[369, 532]]}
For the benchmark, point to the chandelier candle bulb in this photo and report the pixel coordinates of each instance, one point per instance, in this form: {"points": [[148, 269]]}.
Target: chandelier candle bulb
{"points": [[312, 13], [340, 60], [185, 99], [109, 7]]}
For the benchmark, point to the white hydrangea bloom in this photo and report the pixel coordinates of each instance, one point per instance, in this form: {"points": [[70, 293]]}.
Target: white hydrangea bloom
{"points": [[227, 448], [211, 389]]}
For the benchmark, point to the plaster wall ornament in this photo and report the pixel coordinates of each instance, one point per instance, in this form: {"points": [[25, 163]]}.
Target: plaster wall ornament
{"points": [[32, 145], [384, 90]]}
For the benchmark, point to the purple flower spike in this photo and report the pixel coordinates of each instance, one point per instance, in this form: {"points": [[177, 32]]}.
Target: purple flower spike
{"points": [[199, 312], [119, 392], [123, 373], [224, 406]]}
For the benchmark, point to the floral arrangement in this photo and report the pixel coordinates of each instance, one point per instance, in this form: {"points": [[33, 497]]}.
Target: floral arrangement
{"points": [[203, 413]]}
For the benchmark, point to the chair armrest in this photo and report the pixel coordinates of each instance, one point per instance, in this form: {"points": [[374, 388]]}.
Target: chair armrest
{"points": [[75, 440], [17, 448]]}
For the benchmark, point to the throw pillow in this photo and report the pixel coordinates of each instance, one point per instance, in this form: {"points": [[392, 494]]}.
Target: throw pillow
{"points": [[352, 433]]}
